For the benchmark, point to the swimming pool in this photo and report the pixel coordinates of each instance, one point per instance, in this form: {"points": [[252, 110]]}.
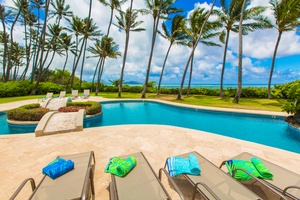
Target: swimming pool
{"points": [[261, 129]]}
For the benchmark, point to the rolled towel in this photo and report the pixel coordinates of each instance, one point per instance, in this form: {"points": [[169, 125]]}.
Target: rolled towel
{"points": [[120, 167], [177, 165], [194, 165], [262, 168], [58, 167], [234, 165]]}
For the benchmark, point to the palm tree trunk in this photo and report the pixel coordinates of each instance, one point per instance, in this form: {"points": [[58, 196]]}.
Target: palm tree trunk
{"points": [[110, 21], [99, 76], [240, 61], [273, 64], [37, 49], [97, 66], [76, 64], [125, 52], [222, 95], [7, 74], [64, 67], [82, 64], [179, 97], [163, 68], [155, 27], [191, 74], [42, 46], [5, 48]]}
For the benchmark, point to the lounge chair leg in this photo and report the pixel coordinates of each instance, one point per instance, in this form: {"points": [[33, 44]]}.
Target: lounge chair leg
{"points": [[32, 183]]}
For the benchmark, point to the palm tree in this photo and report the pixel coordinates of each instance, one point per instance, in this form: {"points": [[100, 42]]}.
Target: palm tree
{"points": [[193, 50], [20, 4], [67, 45], [175, 36], [90, 32], [5, 17], [287, 14], [127, 22], [104, 48], [113, 4], [60, 10], [230, 16], [158, 9], [240, 61], [195, 22]]}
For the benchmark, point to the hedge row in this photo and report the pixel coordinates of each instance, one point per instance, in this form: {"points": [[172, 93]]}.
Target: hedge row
{"points": [[30, 112], [93, 107], [33, 112]]}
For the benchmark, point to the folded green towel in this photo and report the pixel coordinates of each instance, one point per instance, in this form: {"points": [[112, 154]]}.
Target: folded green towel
{"points": [[261, 168], [232, 165], [120, 167]]}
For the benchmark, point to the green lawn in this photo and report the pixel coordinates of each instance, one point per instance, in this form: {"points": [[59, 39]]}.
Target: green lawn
{"points": [[201, 100]]}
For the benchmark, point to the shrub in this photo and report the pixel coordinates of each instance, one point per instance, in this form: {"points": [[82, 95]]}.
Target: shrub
{"points": [[72, 108], [30, 112], [15, 88], [92, 106], [45, 87]]}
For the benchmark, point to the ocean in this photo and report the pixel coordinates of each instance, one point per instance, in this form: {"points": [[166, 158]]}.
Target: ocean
{"points": [[209, 86]]}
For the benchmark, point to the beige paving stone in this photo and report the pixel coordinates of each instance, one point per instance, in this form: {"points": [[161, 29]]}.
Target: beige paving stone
{"points": [[24, 155]]}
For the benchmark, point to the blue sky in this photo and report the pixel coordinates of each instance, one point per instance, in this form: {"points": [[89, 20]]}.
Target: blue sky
{"points": [[257, 50]]}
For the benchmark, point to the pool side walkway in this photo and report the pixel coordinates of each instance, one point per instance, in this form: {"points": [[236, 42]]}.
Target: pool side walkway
{"points": [[24, 155]]}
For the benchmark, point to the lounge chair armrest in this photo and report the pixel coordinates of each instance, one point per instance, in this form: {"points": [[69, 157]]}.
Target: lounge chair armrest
{"points": [[207, 188], [171, 180], [290, 187], [260, 181], [32, 183]]}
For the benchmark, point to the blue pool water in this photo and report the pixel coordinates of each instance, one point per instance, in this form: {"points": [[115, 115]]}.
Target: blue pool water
{"points": [[265, 130]]}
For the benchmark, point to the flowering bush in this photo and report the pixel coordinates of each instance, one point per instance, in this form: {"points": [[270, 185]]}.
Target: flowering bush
{"points": [[72, 108]]}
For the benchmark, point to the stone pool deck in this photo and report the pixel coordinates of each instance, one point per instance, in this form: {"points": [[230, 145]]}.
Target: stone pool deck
{"points": [[24, 155]]}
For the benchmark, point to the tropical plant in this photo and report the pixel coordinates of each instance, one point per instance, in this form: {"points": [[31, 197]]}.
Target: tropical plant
{"points": [[113, 4], [175, 36], [195, 21], [179, 96], [127, 21], [240, 54], [159, 9], [103, 49], [287, 15]]}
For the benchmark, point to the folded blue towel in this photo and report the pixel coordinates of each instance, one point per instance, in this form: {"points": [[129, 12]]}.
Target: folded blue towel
{"points": [[58, 167], [178, 165]]}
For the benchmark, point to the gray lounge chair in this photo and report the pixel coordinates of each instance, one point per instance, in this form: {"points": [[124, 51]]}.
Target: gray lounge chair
{"points": [[140, 183], [62, 94], [286, 182], [76, 184], [213, 183], [74, 94], [48, 96], [86, 94]]}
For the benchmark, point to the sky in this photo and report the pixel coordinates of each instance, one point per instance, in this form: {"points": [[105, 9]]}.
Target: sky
{"points": [[258, 50]]}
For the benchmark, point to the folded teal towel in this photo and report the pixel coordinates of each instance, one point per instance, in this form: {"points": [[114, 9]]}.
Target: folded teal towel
{"points": [[178, 165], [233, 165], [261, 168], [120, 167], [58, 167]]}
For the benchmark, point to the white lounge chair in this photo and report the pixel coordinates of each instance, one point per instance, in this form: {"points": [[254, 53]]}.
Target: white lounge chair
{"points": [[86, 94], [62, 94], [74, 94]]}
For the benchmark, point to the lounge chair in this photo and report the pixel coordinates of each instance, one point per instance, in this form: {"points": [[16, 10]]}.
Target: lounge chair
{"points": [[76, 184], [286, 182], [74, 94], [86, 94], [213, 183], [62, 94], [49, 95], [140, 183]]}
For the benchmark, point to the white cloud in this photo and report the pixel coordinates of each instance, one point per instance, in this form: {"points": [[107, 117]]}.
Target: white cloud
{"points": [[257, 46]]}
